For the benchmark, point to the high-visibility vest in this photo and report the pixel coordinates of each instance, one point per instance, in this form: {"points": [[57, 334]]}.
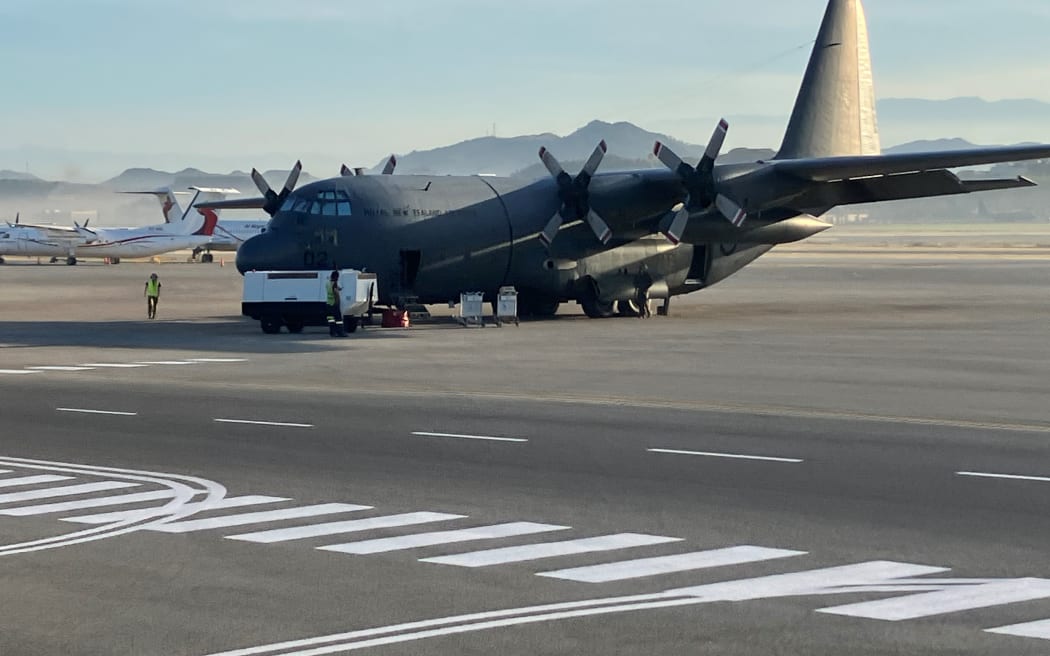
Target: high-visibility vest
{"points": [[331, 292], [152, 287]]}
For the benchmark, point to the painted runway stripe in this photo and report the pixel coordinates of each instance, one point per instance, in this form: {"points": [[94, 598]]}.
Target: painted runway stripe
{"points": [[488, 438], [348, 526], [188, 526], [33, 480], [107, 365], [550, 550], [941, 602], [734, 456], [88, 411], [217, 360], [634, 569], [83, 504], [1039, 629], [18, 372], [66, 491], [165, 362], [59, 368], [1009, 477], [254, 422], [228, 502], [383, 545]]}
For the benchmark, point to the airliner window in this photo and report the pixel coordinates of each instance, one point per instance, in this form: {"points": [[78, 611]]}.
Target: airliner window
{"points": [[344, 208], [328, 209]]}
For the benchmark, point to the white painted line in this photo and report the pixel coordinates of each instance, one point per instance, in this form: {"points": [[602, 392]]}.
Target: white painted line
{"points": [[33, 480], [257, 517], [550, 550], [19, 372], [349, 526], [734, 456], [1039, 629], [66, 491], [470, 437], [283, 424], [106, 365], [1009, 477], [222, 504], [953, 600], [59, 368], [384, 545], [83, 504], [165, 362], [217, 360], [98, 412], [634, 569]]}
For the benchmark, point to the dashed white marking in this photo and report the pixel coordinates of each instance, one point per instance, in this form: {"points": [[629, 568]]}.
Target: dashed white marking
{"points": [[33, 480], [733, 456], [59, 368], [634, 569], [256, 517], [550, 550], [1009, 477], [66, 491], [1039, 629], [348, 526], [18, 372], [83, 504], [225, 503], [488, 438], [165, 362], [88, 411], [941, 602], [217, 360], [253, 422], [383, 545], [108, 365]]}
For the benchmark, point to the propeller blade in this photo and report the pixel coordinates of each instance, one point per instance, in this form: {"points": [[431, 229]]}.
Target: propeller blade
{"points": [[550, 231], [358, 170], [345, 171], [714, 147], [18, 217], [261, 184], [731, 210], [600, 227], [668, 157], [595, 160], [293, 178], [674, 224], [552, 164], [391, 164]]}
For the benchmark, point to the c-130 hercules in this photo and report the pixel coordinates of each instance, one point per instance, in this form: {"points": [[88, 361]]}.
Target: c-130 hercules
{"points": [[673, 231]]}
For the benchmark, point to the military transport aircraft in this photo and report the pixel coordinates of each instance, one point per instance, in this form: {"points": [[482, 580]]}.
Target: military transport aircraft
{"points": [[613, 235]]}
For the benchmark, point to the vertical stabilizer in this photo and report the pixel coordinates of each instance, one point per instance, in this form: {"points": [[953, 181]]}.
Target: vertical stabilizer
{"points": [[835, 110]]}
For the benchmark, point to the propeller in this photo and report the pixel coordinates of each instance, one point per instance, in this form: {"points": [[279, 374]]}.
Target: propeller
{"points": [[274, 200], [85, 232], [574, 195], [388, 168], [15, 224], [700, 184]]}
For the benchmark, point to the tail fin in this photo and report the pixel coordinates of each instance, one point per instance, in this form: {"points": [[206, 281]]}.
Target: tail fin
{"points": [[204, 220], [835, 111], [169, 205]]}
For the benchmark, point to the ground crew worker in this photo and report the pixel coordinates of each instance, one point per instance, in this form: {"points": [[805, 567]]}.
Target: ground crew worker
{"points": [[152, 294], [335, 313], [643, 281]]}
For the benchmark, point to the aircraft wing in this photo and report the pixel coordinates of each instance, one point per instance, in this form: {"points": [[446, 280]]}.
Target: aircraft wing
{"points": [[827, 169], [236, 204]]}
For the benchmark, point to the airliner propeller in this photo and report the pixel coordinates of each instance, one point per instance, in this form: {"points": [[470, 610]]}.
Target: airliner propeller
{"points": [[574, 196], [274, 200], [388, 168], [700, 184]]}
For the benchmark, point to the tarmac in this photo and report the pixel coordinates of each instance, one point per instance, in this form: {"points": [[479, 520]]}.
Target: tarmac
{"points": [[871, 419]]}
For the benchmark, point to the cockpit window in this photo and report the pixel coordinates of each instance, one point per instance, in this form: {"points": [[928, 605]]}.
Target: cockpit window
{"points": [[301, 205], [288, 203], [322, 203]]}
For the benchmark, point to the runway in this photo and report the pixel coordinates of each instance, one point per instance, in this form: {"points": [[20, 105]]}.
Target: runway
{"points": [[824, 454]]}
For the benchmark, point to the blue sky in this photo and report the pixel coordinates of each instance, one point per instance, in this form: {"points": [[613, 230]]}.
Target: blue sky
{"points": [[353, 79]]}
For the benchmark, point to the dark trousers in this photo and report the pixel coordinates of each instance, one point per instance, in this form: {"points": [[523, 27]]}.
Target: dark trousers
{"points": [[151, 306]]}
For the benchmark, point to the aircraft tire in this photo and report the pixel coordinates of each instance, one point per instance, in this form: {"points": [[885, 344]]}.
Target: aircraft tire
{"points": [[54, 260], [542, 307], [270, 325], [114, 260], [597, 309], [294, 327], [3, 261], [628, 308], [71, 261], [207, 258]]}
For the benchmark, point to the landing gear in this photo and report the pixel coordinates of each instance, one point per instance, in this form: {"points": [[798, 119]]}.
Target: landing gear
{"points": [[665, 309], [593, 306], [628, 309], [54, 260], [71, 261], [3, 261], [114, 260], [207, 258], [537, 307]]}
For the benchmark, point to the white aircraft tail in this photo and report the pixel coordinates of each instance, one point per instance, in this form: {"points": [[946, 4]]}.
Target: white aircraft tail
{"points": [[189, 222]]}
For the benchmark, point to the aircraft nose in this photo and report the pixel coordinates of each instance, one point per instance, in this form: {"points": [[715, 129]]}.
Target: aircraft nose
{"points": [[266, 252]]}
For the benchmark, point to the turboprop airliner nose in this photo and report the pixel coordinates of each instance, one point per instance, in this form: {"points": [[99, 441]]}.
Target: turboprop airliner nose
{"points": [[267, 252]]}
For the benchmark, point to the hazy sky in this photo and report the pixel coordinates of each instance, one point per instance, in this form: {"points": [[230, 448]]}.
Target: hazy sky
{"points": [[356, 79]]}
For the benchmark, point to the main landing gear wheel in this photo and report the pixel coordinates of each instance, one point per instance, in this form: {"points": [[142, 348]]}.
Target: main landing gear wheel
{"points": [[114, 260], [71, 261], [3, 261], [628, 308], [596, 308], [207, 258]]}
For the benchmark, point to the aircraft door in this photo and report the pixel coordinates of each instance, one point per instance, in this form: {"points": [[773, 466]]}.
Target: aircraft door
{"points": [[410, 261]]}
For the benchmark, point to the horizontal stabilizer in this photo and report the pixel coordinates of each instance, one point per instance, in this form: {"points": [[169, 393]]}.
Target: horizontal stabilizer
{"points": [[215, 190], [237, 204], [826, 169]]}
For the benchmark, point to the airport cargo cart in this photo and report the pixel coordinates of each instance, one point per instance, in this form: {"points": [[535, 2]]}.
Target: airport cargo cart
{"points": [[507, 306], [295, 299], [472, 309]]}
